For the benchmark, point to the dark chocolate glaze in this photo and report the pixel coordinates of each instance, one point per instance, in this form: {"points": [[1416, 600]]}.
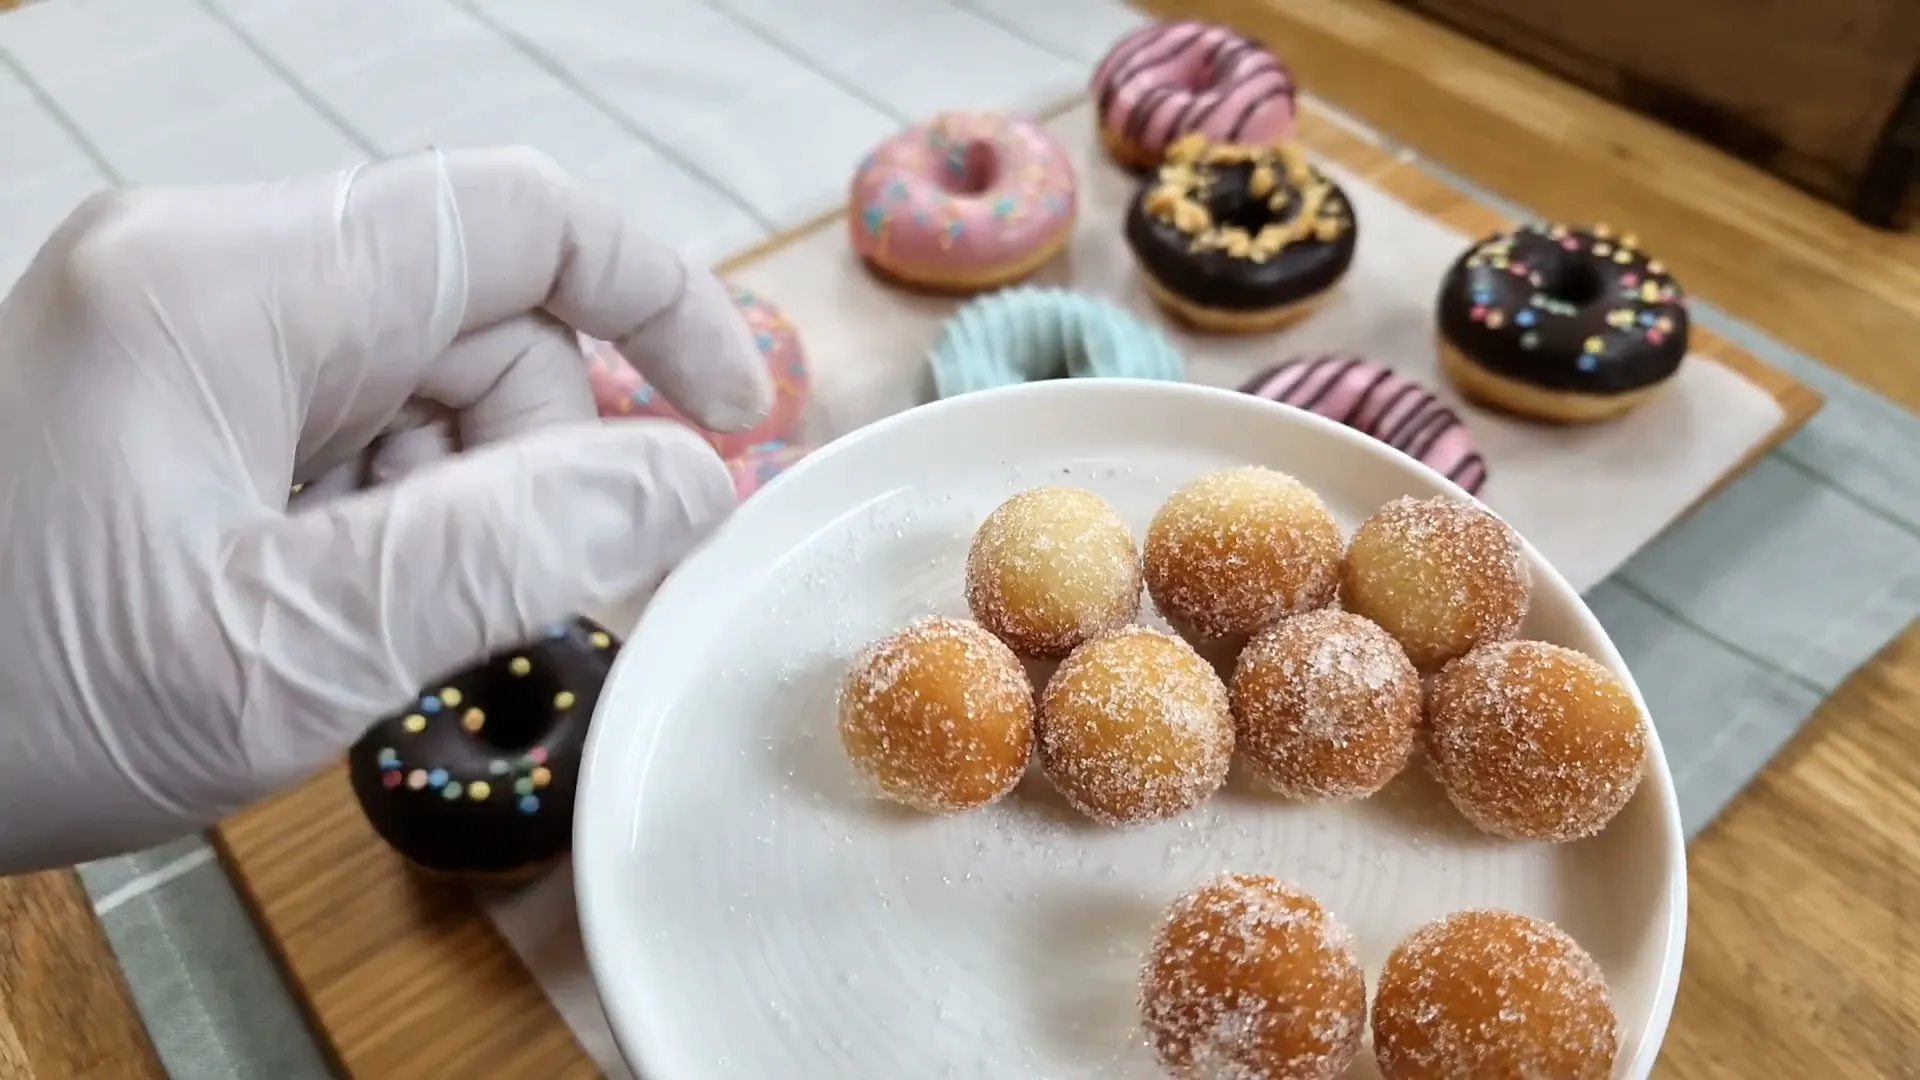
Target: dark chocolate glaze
{"points": [[490, 794], [1572, 310], [1215, 279]]}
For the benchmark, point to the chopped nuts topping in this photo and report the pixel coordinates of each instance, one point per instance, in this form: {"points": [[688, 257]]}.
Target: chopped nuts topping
{"points": [[1279, 172]]}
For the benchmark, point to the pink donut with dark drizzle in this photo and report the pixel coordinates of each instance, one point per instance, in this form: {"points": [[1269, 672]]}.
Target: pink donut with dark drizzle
{"points": [[618, 390], [1382, 405], [1171, 79], [755, 456]]}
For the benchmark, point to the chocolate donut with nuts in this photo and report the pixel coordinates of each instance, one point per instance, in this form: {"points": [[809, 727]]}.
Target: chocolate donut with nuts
{"points": [[1240, 239], [475, 778]]}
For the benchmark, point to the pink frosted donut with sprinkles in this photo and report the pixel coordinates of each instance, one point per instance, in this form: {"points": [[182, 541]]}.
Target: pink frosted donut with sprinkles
{"points": [[963, 203], [618, 390], [1380, 404], [1171, 79]]}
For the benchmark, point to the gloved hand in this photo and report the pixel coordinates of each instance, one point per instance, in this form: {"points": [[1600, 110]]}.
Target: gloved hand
{"points": [[175, 640]]}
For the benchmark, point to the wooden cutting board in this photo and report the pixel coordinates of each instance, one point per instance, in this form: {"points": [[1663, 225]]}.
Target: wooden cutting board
{"points": [[403, 977]]}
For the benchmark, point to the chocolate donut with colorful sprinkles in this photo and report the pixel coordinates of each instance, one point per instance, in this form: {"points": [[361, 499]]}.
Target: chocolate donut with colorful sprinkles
{"points": [[1560, 324], [475, 779]]}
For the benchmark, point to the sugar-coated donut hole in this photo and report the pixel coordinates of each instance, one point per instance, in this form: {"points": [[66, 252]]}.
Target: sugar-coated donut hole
{"points": [[1240, 549], [517, 709], [1440, 576], [938, 716], [1134, 728], [1251, 978], [1050, 568], [1325, 706], [1493, 994], [1534, 741]]}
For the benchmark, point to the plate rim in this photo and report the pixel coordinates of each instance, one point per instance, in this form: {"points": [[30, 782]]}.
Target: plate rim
{"points": [[595, 893]]}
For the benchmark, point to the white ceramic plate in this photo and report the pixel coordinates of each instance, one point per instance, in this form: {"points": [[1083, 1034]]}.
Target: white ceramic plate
{"points": [[751, 912]]}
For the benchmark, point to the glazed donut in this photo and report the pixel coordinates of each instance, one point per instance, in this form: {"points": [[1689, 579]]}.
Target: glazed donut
{"points": [[1380, 404], [1164, 81], [475, 779], [1559, 324], [965, 202], [1027, 334], [619, 390], [1240, 239]]}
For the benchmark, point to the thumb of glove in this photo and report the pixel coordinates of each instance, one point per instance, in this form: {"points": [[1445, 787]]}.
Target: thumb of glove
{"points": [[340, 614]]}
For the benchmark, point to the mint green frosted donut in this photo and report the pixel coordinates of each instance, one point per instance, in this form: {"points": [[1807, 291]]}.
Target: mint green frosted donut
{"points": [[1028, 334]]}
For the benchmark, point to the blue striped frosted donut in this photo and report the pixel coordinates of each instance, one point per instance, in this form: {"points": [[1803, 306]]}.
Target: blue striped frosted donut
{"points": [[1379, 403], [1028, 334]]}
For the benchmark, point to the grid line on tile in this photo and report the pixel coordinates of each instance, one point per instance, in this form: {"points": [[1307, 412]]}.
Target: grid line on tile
{"points": [[778, 44], [294, 82], [559, 71], [60, 116], [1016, 30]]}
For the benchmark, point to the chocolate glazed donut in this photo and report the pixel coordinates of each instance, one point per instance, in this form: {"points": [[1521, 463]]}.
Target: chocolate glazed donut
{"points": [[476, 778], [1240, 239], [1560, 324]]}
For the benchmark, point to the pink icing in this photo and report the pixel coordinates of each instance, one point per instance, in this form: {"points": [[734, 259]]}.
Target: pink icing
{"points": [[1164, 81], [1379, 403], [618, 390], [962, 196], [757, 467]]}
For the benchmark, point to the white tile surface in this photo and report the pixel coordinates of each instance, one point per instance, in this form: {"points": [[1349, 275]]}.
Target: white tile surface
{"points": [[269, 138], [195, 82], [1082, 29], [54, 42]]}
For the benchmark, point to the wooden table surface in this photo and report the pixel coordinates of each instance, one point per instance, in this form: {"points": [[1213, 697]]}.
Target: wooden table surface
{"points": [[1797, 960]]}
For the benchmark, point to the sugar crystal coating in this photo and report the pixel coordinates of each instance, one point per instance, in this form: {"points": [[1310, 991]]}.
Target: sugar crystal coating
{"points": [[1534, 741], [1492, 994], [1440, 576], [1134, 728], [1249, 978], [1325, 706], [1050, 568], [939, 716], [1240, 549]]}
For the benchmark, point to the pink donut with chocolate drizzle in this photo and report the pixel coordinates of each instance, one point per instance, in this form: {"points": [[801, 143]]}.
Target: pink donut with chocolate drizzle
{"points": [[1170, 79], [965, 202], [1381, 404]]}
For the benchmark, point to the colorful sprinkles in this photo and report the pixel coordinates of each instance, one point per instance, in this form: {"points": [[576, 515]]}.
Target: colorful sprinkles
{"points": [[524, 774], [1642, 297]]}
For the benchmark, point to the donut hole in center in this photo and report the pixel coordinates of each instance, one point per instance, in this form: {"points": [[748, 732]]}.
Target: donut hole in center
{"points": [[1574, 281], [1231, 201], [970, 169], [519, 708]]}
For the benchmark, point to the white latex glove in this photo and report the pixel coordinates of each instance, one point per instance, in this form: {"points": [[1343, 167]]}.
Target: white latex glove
{"points": [[174, 640]]}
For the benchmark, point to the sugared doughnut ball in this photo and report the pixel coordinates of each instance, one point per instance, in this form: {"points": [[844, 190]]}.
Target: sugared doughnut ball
{"points": [[1134, 728], [1240, 549], [1493, 994], [1533, 741], [938, 716], [1251, 978], [1325, 706], [1441, 576], [1050, 568]]}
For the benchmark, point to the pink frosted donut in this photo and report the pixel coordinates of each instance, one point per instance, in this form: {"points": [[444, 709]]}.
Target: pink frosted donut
{"points": [[757, 467], [618, 390], [1168, 79], [964, 202], [1376, 402]]}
